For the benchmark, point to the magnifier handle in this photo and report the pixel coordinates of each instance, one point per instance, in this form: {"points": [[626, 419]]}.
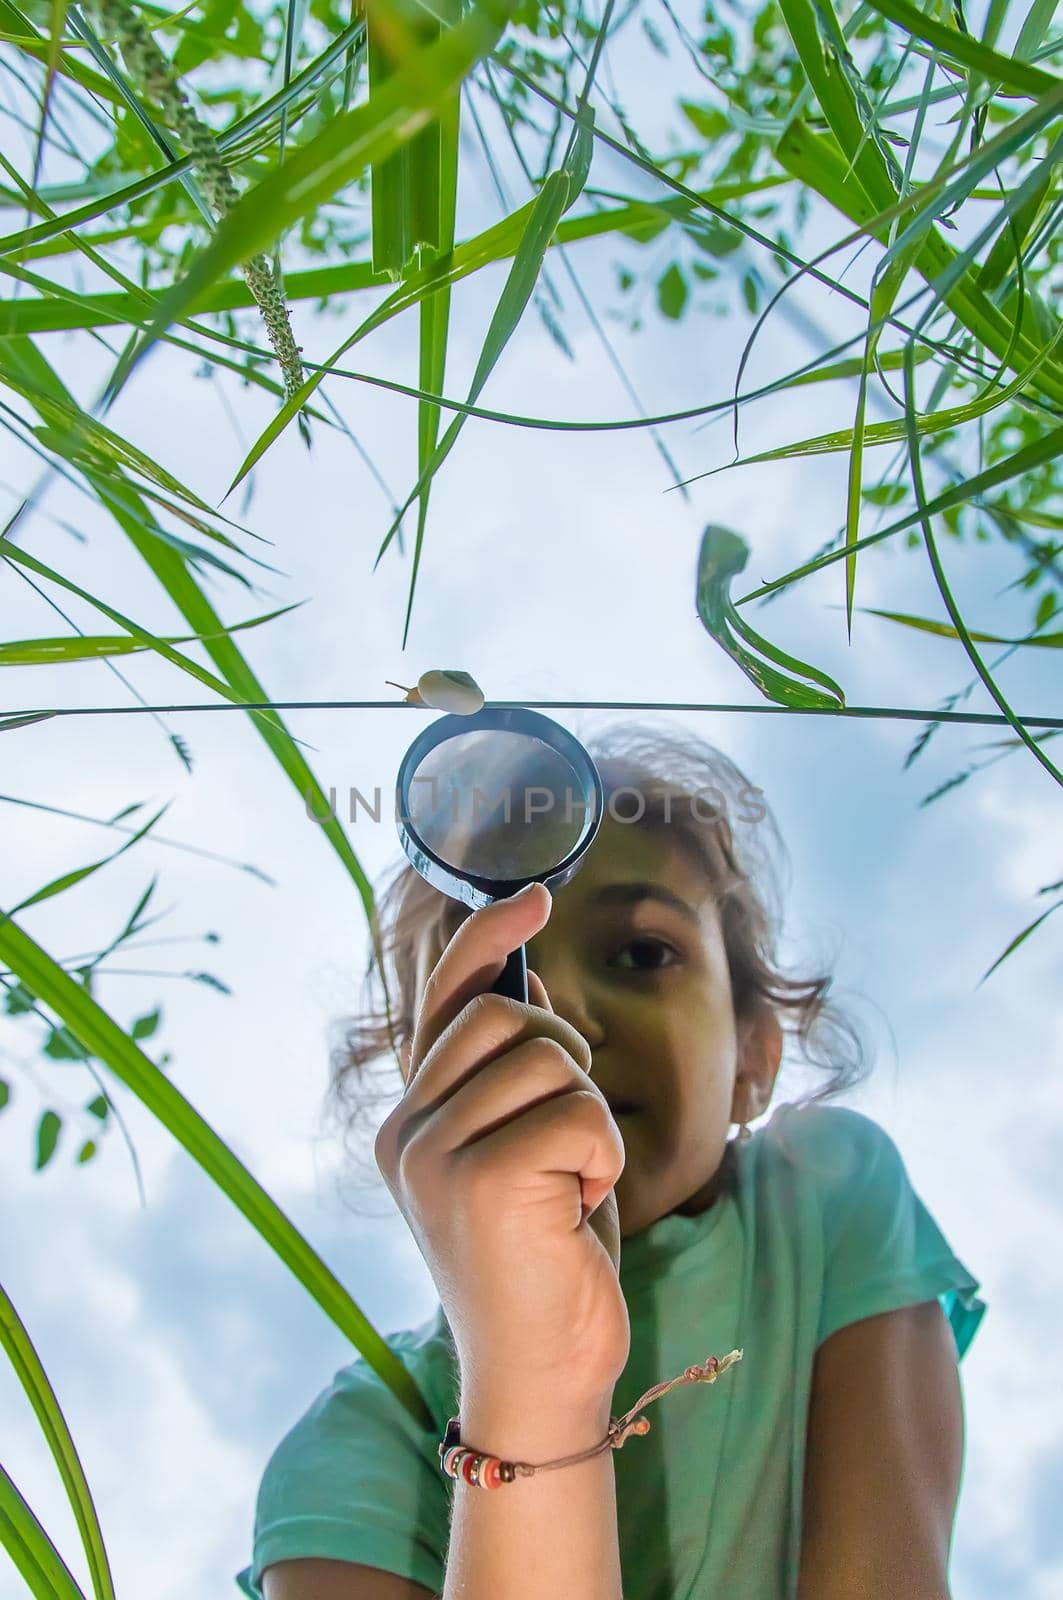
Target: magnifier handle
{"points": [[513, 981]]}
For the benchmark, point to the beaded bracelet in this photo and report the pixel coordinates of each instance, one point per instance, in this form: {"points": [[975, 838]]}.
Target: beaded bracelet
{"points": [[483, 1471]]}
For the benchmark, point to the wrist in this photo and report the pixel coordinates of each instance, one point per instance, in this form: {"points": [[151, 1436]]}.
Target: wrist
{"points": [[517, 1426]]}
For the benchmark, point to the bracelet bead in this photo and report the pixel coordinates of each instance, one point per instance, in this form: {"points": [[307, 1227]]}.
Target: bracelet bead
{"points": [[482, 1471]]}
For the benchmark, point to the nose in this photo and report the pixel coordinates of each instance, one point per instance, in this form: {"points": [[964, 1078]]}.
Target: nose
{"points": [[570, 1001]]}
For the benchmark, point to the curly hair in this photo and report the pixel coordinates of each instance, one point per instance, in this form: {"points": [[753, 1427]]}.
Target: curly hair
{"points": [[734, 841]]}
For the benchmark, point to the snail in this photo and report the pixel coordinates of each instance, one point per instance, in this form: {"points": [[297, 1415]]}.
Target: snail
{"points": [[444, 691]]}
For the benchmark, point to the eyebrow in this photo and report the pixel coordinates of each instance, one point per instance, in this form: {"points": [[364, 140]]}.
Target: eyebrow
{"points": [[628, 894]]}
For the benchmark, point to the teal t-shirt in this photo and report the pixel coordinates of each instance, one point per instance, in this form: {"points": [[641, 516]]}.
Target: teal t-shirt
{"points": [[816, 1226]]}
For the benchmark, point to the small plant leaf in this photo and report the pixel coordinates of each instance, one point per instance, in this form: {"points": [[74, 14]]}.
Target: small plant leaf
{"points": [[723, 555], [47, 1137]]}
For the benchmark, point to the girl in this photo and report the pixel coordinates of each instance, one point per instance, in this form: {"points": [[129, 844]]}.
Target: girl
{"points": [[593, 1231]]}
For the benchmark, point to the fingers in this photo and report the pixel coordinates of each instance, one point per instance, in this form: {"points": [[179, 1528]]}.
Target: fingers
{"points": [[473, 962], [537, 995], [522, 1080], [489, 1027]]}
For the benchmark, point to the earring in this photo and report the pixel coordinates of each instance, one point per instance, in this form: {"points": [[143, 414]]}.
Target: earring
{"points": [[744, 1132]]}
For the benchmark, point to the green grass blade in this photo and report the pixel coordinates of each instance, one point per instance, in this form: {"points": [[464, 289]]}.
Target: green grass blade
{"points": [[943, 587], [1019, 939], [319, 169], [884, 292], [240, 682], [877, 433], [558, 192], [45, 315], [68, 880], [74, 434], [264, 112], [1028, 459], [1050, 641], [57, 22], [7, 724], [962, 47], [811, 159], [435, 310], [94, 647], [31, 1374], [38, 47], [148, 640], [127, 96], [103, 1038], [46, 1574], [406, 185], [1037, 22], [886, 361]]}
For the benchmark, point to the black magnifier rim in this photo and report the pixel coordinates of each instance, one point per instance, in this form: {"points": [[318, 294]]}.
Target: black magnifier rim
{"points": [[473, 889]]}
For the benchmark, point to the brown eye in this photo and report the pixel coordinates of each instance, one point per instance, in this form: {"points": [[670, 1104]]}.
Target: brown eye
{"points": [[655, 948]]}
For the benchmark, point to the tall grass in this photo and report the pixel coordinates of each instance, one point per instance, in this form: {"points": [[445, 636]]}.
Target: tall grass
{"points": [[183, 181]]}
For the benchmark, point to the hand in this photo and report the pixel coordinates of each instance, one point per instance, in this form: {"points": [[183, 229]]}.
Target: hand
{"points": [[503, 1155]]}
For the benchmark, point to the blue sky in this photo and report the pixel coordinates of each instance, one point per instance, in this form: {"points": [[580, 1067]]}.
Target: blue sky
{"points": [[555, 567]]}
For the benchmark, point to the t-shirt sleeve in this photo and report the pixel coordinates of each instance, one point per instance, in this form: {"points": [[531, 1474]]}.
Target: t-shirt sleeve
{"points": [[882, 1247], [357, 1480]]}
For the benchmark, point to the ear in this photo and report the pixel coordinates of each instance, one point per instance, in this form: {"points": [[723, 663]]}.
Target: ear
{"points": [[760, 1044]]}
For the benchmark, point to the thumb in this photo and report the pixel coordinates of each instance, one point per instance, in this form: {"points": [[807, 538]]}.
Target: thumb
{"points": [[537, 994]]}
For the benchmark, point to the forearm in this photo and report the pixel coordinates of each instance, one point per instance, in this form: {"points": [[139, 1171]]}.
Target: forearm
{"points": [[552, 1534]]}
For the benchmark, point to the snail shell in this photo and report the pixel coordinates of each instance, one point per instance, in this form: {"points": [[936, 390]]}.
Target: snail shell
{"points": [[445, 690]]}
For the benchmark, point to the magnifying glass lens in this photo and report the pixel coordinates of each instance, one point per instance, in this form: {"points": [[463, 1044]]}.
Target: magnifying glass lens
{"points": [[494, 801], [498, 805]]}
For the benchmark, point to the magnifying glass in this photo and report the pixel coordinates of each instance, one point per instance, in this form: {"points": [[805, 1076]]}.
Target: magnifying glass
{"points": [[492, 802]]}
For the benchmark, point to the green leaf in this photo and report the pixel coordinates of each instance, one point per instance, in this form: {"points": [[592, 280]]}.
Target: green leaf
{"points": [[87, 1151], [1028, 459], [69, 879], [885, 286], [211, 981], [817, 161], [86, 647], [5, 1093], [145, 1026], [7, 724], [46, 1573], [1019, 939], [435, 309], [98, 1107], [18, 1000], [889, 361], [916, 468], [963, 47], [722, 556], [671, 292], [1046, 609], [1051, 641], [81, 438], [47, 1137], [942, 421], [50, 313], [709, 121], [713, 236], [61, 1045], [30, 1373]]}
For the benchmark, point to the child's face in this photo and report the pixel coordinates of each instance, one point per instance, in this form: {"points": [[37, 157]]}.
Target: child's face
{"points": [[659, 1018]]}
